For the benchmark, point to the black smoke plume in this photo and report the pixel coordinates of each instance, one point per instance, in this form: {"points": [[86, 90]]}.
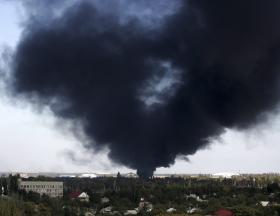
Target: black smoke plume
{"points": [[151, 91]]}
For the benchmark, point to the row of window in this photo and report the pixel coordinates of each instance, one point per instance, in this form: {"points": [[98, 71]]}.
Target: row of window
{"points": [[41, 186], [49, 193], [45, 190]]}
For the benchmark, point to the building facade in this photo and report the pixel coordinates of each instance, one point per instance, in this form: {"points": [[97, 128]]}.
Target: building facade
{"points": [[52, 189]]}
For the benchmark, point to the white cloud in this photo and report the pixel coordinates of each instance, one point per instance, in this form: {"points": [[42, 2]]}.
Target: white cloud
{"points": [[9, 22]]}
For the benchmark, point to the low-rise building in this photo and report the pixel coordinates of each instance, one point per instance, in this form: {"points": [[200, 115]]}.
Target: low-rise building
{"points": [[105, 200], [223, 212], [145, 205], [131, 212], [171, 210], [106, 210], [82, 196], [52, 189], [264, 203]]}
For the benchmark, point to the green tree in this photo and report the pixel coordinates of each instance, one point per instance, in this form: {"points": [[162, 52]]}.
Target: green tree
{"points": [[13, 183]]}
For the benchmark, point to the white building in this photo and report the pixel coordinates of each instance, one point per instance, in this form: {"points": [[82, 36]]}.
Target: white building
{"points": [[83, 197], [225, 175], [105, 200], [52, 189], [264, 203], [131, 212], [171, 210]]}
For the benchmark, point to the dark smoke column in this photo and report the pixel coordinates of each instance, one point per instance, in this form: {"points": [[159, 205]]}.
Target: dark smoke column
{"points": [[150, 94]]}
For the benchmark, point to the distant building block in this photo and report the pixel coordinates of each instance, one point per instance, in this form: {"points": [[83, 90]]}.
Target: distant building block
{"points": [[51, 189]]}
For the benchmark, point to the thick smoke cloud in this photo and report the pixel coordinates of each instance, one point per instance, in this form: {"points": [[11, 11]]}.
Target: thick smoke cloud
{"points": [[153, 92]]}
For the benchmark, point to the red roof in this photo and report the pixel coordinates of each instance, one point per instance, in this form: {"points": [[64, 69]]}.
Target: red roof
{"points": [[223, 212], [74, 194]]}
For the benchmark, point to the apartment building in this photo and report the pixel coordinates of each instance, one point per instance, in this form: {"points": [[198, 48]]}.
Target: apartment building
{"points": [[52, 189]]}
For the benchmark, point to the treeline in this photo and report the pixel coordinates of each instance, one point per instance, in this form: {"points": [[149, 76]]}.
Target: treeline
{"points": [[206, 195]]}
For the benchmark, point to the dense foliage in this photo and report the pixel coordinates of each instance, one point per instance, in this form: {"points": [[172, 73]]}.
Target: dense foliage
{"points": [[242, 195]]}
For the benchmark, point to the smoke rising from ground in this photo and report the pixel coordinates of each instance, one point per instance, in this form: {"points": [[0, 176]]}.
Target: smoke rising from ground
{"points": [[153, 87]]}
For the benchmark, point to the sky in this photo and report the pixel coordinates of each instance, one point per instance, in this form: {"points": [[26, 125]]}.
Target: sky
{"points": [[31, 141]]}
